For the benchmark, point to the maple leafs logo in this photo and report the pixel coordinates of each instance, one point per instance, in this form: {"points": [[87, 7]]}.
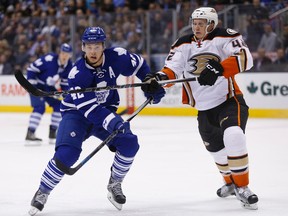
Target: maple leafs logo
{"points": [[252, 88]]}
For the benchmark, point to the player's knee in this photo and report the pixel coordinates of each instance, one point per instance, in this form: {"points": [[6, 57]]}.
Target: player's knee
{"points": [[67, 155], [56, 107], [127, 145], [235, 140], [39, 109]]}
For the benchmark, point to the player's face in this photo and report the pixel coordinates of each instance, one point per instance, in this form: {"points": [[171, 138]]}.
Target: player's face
{"points": [[94, 53], [199, 28], [64, 57]]}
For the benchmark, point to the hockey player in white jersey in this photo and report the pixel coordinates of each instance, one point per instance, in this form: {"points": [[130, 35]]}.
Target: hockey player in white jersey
{"points": [[94, 114], [215, 55]]}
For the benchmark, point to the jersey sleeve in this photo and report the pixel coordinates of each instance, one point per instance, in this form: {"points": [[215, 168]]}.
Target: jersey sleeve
{"points": [[34, 69], [41, 65], [240, 58], [174, 62], [132, 64]]}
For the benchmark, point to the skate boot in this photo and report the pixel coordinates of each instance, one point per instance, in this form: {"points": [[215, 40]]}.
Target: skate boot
{"points": [[226, 190], [31, 139], [247, 197], [52, 135], [115, 194], [38, 202]]}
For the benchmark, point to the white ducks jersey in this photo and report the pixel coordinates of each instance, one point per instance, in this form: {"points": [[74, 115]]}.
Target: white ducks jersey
{"points": [[188, 58]]}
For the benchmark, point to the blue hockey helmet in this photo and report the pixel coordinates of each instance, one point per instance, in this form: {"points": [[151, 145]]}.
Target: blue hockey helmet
{"points": [[93, 35], [66, 48]]}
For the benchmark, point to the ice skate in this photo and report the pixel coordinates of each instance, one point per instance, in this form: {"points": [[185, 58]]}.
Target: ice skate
{"points": [[226, 190], [247, 197], [52, 135], [38, 202], [115, 194], [31, 139]]}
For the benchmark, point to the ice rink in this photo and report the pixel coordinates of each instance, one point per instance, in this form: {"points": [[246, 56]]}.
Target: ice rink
{"points": [[173, 174]]}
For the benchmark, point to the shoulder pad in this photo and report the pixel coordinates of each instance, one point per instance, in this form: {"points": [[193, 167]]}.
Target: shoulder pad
{"points": [[182, 40], [222, 32]]}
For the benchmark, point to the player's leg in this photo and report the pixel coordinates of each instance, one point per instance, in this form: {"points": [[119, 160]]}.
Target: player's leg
{"points": [[233, 118], [38, 105], [125, 147], [212, 137], [55, 118], [72, 132]]}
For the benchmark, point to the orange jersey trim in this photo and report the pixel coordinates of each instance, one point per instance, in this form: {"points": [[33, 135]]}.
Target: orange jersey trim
{"points": [[230, 66], [170, 74]]}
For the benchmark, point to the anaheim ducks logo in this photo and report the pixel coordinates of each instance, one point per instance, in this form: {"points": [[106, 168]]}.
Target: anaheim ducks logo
{"points": [[198, 62], [231, 31]]}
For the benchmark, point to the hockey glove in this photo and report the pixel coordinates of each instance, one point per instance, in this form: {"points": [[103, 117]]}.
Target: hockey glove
{"points": [[115, 122], [153, 85], [154, 89], [211, 72], [157, 96]]}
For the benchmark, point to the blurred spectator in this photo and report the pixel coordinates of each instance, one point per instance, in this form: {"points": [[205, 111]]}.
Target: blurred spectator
{"points": [[262, 63], [254, 32], [281, 63], [37, 45], [91, 7], [257, 10], [21, 57], [269, 40], [255, 14], [107, 6], [285, 40], [134, 43], [120, 40], [5, 67]]}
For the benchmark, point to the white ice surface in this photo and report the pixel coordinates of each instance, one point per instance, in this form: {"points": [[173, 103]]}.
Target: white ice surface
{"points": [[173, 174]]}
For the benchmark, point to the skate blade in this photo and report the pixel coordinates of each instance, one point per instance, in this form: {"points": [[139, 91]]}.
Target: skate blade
{"points": [[117, 205], [249, 206], [33, 211], [32, 143], [52, 141]]}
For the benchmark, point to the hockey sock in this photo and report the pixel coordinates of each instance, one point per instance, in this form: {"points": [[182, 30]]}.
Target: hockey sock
{"points": [[50, 177], [34, 121], [55, 119], [235, 143], [121, 166]]}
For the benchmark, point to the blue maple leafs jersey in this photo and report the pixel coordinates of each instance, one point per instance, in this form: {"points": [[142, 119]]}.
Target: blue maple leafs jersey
{"points": [[48, 66], [96, 106]]}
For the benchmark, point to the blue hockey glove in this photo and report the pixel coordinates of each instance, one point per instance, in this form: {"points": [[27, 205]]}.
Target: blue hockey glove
{"points": [[211, 72], [114, 122]]}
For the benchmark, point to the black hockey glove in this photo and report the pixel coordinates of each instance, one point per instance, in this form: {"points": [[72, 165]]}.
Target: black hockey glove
{"points": [[153, 85], [211, 72]]}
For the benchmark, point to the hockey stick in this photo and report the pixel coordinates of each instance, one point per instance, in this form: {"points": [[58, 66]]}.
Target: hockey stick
{"points": [[73, 170], [40, 93]]}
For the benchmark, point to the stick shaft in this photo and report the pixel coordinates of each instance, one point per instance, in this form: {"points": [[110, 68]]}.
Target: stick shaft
{"points": [[73, 170], [39, 93]]}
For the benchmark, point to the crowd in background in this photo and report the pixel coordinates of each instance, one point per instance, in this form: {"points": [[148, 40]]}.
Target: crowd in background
{"points": [[26, 32]]}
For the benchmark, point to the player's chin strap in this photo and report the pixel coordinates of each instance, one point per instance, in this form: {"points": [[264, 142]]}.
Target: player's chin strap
{"points": [[40, 93], [73, 170]]}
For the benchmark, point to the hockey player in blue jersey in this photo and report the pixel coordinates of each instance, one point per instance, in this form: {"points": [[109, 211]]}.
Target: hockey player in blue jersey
{"points": [[48, 73], [94, 114]]}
